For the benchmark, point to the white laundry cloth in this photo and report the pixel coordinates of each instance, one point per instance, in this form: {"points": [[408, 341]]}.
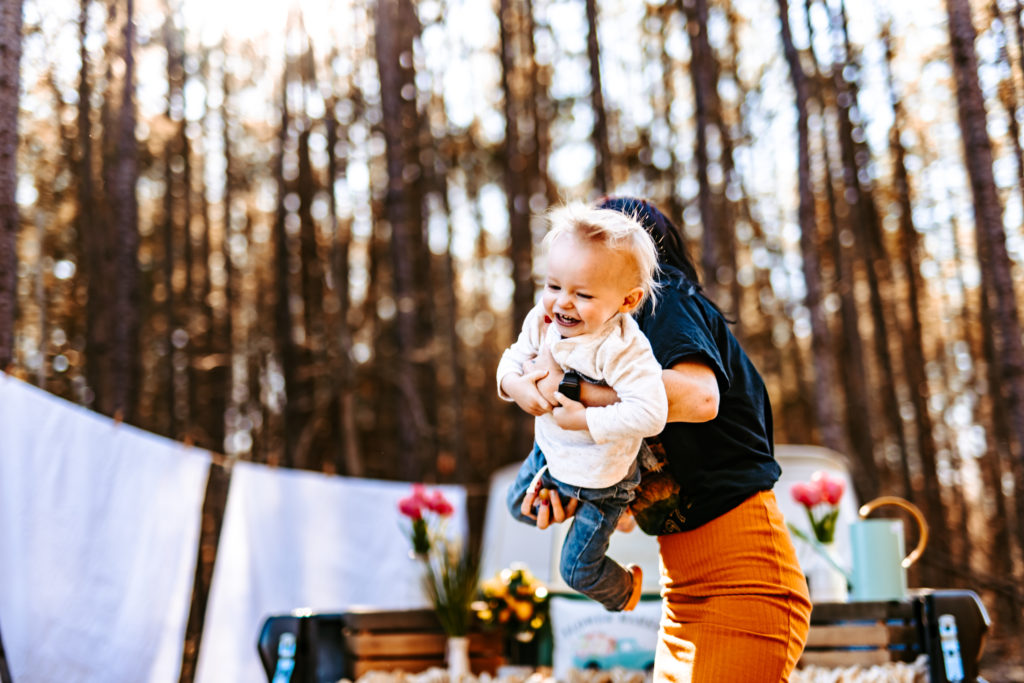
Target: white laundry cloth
{"points": [[295, 539], [99, 525]]}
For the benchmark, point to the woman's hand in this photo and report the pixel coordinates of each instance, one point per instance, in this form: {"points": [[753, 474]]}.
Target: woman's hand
{"points": [[523, 390], [569, 414], [549, 506], [550, 509]]}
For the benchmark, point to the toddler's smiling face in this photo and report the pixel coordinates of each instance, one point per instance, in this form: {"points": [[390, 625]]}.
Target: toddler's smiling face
{"points": [[587, 283]]}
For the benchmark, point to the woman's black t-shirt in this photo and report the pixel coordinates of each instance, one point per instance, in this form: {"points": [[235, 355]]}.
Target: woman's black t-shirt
{"points": [[716, 464]]}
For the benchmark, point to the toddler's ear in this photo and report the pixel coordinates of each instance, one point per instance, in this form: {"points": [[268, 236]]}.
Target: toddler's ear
{"points": [[632, 300]]}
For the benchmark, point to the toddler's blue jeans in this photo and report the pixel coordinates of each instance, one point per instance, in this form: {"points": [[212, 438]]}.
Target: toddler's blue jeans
{"points": [[584, 564]]}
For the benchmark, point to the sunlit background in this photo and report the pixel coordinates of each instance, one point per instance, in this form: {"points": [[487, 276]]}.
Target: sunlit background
{"points": [[276, 273]]}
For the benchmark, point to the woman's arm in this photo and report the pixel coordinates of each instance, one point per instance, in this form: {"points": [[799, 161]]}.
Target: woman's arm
{"points": [[692, 390], [691, 386]]}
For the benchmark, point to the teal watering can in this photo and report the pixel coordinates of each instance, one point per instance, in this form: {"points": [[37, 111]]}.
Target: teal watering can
{"points": [[879, 570]]}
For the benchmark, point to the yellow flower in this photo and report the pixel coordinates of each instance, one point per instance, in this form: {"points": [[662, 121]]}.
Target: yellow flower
{"points": [[494, 588], [524, 610]]}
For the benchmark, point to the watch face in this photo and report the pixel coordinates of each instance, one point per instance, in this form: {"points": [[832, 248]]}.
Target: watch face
{"points": [[570, 386]]}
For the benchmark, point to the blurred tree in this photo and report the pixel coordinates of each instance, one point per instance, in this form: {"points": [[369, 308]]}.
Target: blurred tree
{"points": [[125, 176], [396, 29], [599, 134], [523, 177], [348, 459], [90, 232], [334, 245], [909, 251], [1007, 349], [176, 210], [850, 353], [869, 250], [707, 113], [10, 58], [828, 424]]}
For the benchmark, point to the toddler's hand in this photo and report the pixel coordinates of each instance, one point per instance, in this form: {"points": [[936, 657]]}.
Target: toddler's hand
{"points": [[548, 384], [523, 390], [569, 414]]}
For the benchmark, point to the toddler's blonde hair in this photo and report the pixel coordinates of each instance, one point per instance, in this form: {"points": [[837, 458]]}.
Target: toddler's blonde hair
{"points": [[612, 229]]}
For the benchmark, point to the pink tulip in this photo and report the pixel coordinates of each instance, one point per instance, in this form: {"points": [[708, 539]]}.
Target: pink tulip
{"points": [[419, 494], [439, 504], [411, 507], [806, 494], [830, 488]]}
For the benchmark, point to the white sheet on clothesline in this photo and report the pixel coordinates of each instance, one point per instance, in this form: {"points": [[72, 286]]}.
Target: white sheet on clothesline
{"points": [[294, 539], [99, 525]]}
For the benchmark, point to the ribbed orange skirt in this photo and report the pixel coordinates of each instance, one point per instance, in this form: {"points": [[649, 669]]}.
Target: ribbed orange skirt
{"points": [[735, 607]]}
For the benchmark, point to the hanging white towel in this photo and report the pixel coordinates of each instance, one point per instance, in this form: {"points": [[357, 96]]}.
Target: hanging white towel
{"points": [[99, 525], [294, 539]]}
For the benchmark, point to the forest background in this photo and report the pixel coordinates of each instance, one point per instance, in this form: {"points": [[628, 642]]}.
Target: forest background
{"points": [[301, 234]]}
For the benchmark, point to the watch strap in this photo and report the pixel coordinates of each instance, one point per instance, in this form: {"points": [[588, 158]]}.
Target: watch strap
{"points": [[570, 385]]}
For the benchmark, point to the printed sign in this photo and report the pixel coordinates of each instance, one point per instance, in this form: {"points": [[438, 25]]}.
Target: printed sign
{"points": [[586, 636]]}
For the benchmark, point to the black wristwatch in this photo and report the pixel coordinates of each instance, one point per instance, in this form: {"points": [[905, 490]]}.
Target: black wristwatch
{"points": [[570, 385]]}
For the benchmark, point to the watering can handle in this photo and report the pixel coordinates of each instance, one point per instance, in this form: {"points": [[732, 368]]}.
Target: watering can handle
{"points": [[867, 508]]}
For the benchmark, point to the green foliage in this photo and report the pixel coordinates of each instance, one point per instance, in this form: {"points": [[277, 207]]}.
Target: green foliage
{"points": [[451, 580]]}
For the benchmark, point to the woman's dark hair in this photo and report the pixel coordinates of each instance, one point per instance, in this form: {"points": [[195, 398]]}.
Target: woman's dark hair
{"points": [[667, 238], [671, 248]]}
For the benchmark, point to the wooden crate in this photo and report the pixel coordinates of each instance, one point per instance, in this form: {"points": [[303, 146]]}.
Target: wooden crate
{"points": [[863, 634], [408, 640]]}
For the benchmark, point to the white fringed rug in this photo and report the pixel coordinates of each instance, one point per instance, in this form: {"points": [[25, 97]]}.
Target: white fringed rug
{"points": [[894, 672]]}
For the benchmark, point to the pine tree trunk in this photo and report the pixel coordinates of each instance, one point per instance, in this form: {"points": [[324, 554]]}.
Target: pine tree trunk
{"points": [[602, 169], [996, 268], [10, 61], [207, 404], [284, 323], [125, 366], [849, 343], [993, 463], [520, 169], [93, 237], [704, 79], [867, 236], [174, 226], [825, 375], [395, 28], [913, 347], [224, 328], [731, 203], [348, 458]]}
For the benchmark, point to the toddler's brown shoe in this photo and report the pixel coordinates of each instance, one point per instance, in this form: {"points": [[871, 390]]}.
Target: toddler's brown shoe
{"points": [[638, 579]]}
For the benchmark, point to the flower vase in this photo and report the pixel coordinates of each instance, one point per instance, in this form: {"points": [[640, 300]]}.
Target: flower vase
{"points": [[457, 658], [824, 579]]}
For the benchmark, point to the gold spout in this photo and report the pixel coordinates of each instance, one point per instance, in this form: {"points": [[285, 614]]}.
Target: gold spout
{"points": [[869, 507]]}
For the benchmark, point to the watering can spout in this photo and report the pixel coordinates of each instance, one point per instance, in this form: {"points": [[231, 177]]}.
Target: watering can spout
{"points": [[869, 507]]}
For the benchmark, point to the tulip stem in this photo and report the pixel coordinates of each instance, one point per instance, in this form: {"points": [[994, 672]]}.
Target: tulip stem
{"points": [[820, 549]]}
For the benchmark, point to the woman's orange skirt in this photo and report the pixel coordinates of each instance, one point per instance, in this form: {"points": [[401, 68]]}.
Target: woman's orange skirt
{"points": [[735, 606]]}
